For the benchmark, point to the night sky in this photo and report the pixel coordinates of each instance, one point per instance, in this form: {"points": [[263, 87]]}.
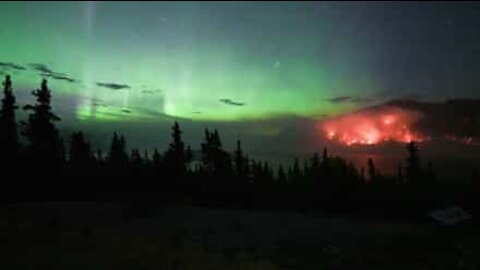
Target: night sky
{"points": [[262, 72]]}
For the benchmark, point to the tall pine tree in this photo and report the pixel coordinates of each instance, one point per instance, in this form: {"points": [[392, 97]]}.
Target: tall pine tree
{"points": [[240, 162], [413, 168], [372, 172], [215, 161], [45, 144], [117, 156], [80, 153], [177, 157], [8, 127]]}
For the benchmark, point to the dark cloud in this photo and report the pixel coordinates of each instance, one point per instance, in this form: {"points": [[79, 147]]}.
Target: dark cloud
{"points": [[126, 111], [231, 102], [42, 68], [341, 99], [350, 99], [151, 92], [113, 86], [59, 77], [48, 72], [11, 66]]}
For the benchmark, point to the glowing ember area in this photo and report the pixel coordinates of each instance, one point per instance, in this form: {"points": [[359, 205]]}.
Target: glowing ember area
{"points": [[373, 127]]}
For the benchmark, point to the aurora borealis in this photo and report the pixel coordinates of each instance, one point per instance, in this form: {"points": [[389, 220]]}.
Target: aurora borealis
{"points": [[193, 53], [274, 67]]}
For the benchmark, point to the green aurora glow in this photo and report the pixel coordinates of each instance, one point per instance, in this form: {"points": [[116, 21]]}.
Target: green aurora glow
{"points": [[181, 59]]}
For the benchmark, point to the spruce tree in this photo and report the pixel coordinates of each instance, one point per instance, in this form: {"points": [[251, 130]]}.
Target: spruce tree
{"points": [[372, 172], [215, 160], [8, 127], [117, 156], [80, 154], [297, 173], [45, 145], [239, 161], [281, 177], [413, 169], [156, 158], [176, 157], [315, 164], [400, 173]]}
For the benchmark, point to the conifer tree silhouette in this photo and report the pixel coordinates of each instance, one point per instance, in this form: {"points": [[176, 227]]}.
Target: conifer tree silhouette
{"points": [[146, 158], [325, 166], [207, 156], [188, 156], [306, 170], [136, 162], [290, 176], [281, 176], [156, 158], [156, 162], [135, 158], [362, 174], [215, 160], [267, 172], [372, 171], [315, 165], [99, 156], [297, 173], [117, 156], [45, 150], [45, 144], [80, 154], [400, 175], [240, 161], [9, 144], [413, 169], [177, 157]]}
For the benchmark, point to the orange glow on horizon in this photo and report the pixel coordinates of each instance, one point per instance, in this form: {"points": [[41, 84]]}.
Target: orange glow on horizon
{"points": [[373, 127]]}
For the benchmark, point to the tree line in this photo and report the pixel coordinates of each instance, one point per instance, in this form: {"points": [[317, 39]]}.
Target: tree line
{"points": [[43, 165]]}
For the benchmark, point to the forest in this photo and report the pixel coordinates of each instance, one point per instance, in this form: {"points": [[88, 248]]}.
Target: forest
{"points": [[49, 167]]}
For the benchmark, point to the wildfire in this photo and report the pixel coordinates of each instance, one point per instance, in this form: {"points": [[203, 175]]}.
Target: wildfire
{"points": [[373, 127]]}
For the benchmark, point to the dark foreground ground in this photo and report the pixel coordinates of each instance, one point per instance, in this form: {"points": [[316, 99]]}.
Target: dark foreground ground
{"points": [[94, 235]]}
